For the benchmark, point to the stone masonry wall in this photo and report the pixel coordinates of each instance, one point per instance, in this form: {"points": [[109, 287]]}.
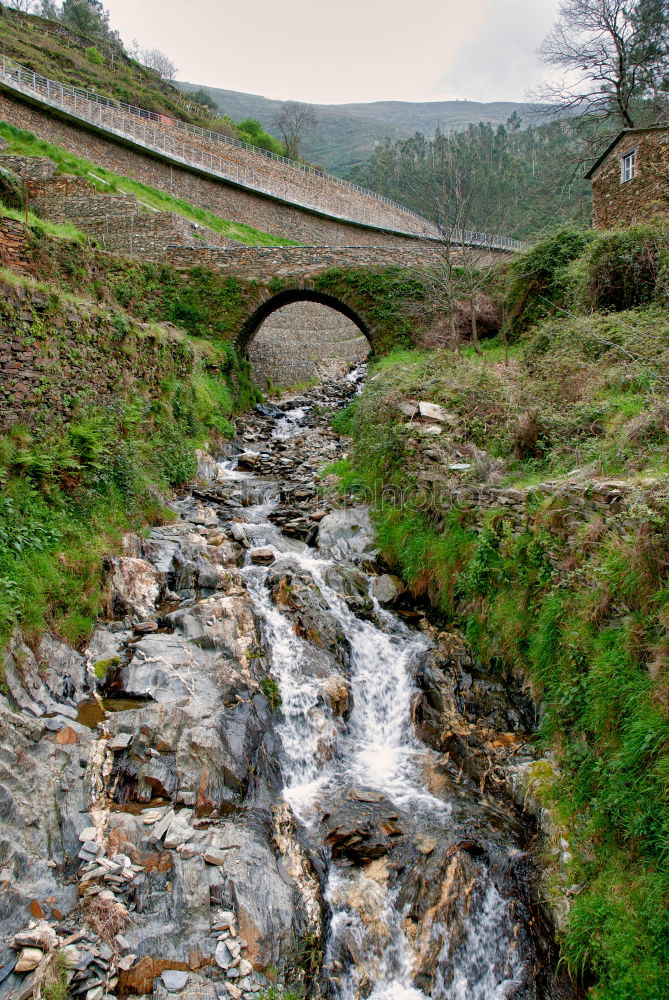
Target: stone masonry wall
{"points": [[55, 355], [644, 196], [146, 234], [118, 221], [13, 245], [261, 263], [254, 168], [572, 502], [219, 197], [36, 168]]}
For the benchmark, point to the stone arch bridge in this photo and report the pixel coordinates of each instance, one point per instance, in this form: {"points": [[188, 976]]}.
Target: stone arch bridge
{"points": [[381, 290]]}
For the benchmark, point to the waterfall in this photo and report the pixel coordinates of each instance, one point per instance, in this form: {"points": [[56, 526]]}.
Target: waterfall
{"points": [[368, 951]]}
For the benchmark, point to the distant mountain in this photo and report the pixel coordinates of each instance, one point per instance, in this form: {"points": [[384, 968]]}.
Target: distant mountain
{"points": [[347, 134]]}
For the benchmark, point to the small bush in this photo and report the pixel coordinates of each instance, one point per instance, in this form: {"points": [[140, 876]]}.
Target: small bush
{"points": [[270, 689], [94, 56], [623, 267], [542, 279]]}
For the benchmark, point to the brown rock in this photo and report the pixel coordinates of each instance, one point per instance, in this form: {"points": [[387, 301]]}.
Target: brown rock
{"points": [[66, 736]]}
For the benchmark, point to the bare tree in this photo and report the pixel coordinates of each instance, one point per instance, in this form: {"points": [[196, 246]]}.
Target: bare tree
{"points": [[461, 201], [157, 60], [615, 58], [25, 6], [292, 121]]}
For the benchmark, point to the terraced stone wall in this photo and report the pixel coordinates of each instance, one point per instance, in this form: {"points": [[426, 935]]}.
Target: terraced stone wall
{"points": [[224, 199]]}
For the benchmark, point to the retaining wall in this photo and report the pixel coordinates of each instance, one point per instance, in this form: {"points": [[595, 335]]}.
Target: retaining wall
{"points": [[222, 198], [55, 355]]}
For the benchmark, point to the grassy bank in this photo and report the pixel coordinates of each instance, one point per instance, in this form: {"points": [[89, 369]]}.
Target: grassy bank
{"points": [[579, 608], [25, 143], [75, 476]]}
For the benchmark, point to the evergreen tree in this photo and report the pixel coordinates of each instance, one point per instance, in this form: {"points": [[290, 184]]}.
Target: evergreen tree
{"points": [[88, 17]]}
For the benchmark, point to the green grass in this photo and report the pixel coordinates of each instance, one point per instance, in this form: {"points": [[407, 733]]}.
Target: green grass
{"points": [[26, 144], [71, 486], [63, 231]]}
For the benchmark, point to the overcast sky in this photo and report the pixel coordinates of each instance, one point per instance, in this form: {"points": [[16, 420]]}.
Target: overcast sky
{"points": [[347, 50]]}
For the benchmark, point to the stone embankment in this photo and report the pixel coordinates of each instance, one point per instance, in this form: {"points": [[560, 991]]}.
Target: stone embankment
{"points": [[160, 856], [119, 222], [453, 476], [56, 352], [268, 214]]}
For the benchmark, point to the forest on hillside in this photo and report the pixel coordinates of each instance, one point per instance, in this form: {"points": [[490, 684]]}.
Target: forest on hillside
{"points": [[504, 178]]}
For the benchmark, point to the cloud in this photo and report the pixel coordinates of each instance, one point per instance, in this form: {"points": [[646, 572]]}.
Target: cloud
{"points": [[500, 64], [354, 50]]}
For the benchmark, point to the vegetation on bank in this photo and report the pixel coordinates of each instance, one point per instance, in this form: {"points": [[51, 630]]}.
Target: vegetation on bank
{"points": [[24, 143], [70, 486], [580, 608]]}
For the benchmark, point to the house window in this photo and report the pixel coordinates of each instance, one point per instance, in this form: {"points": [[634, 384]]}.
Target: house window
{"points": [[628, 166]]}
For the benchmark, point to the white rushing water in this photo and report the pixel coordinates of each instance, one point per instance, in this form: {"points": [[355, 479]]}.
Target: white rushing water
{"points": [[375, 748]]}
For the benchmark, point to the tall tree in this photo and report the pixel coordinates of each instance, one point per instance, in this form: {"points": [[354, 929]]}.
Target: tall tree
{"points": [[292, 121], [615, 58], [88, 17]]}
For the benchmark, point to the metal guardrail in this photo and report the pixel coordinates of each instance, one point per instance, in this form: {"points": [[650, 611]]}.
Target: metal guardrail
{"points": [[128, 121]]}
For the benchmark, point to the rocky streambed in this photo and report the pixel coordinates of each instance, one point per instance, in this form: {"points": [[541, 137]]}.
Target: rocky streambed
{"points": [[269, 772]]}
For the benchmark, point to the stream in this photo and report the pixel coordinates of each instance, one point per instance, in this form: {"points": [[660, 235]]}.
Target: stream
{"points": [[270, 770], [371, 755]]}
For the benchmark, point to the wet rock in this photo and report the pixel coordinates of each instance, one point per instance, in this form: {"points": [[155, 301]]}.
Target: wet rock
{"points": [[262, 557], [298, 596], [387, 589], [348, 534], [358, 832], [174, 981]]}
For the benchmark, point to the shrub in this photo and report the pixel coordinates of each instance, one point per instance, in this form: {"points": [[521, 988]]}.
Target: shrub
{"points": [[94, 56], [541, 279], [623, 267]]}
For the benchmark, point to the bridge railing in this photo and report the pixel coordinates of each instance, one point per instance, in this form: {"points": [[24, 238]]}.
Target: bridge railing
{"points": [[149, 129]]}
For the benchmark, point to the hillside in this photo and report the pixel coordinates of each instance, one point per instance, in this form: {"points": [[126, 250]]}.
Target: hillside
{"points": [[347, 134], [50, 48]]}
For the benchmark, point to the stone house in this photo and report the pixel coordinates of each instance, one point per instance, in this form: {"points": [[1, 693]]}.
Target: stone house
{"points": [[630, 180]]}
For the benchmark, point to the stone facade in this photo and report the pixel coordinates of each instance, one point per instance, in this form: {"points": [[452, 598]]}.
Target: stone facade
{"points": [[55, 355], [34, 168], [268, 214], [262, 263], [643, 197], [302, 341]]}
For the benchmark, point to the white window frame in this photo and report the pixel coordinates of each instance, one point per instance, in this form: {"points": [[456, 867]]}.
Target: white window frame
{"points": [[628, 166]]}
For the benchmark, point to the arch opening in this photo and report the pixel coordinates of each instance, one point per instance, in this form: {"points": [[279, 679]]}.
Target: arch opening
{"points": [[300, 336]]}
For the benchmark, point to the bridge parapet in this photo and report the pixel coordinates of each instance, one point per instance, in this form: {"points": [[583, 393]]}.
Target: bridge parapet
{"points": [[264, 263]]}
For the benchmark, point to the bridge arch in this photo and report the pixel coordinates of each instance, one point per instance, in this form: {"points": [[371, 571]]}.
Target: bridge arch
{"points": [[274, 301], [300, 334]]}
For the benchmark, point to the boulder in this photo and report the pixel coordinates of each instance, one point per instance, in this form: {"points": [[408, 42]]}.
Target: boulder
{"points": [[432, 411], [262, 557], [387, 589], [348, 534], [359, 831], [135, 587]]}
